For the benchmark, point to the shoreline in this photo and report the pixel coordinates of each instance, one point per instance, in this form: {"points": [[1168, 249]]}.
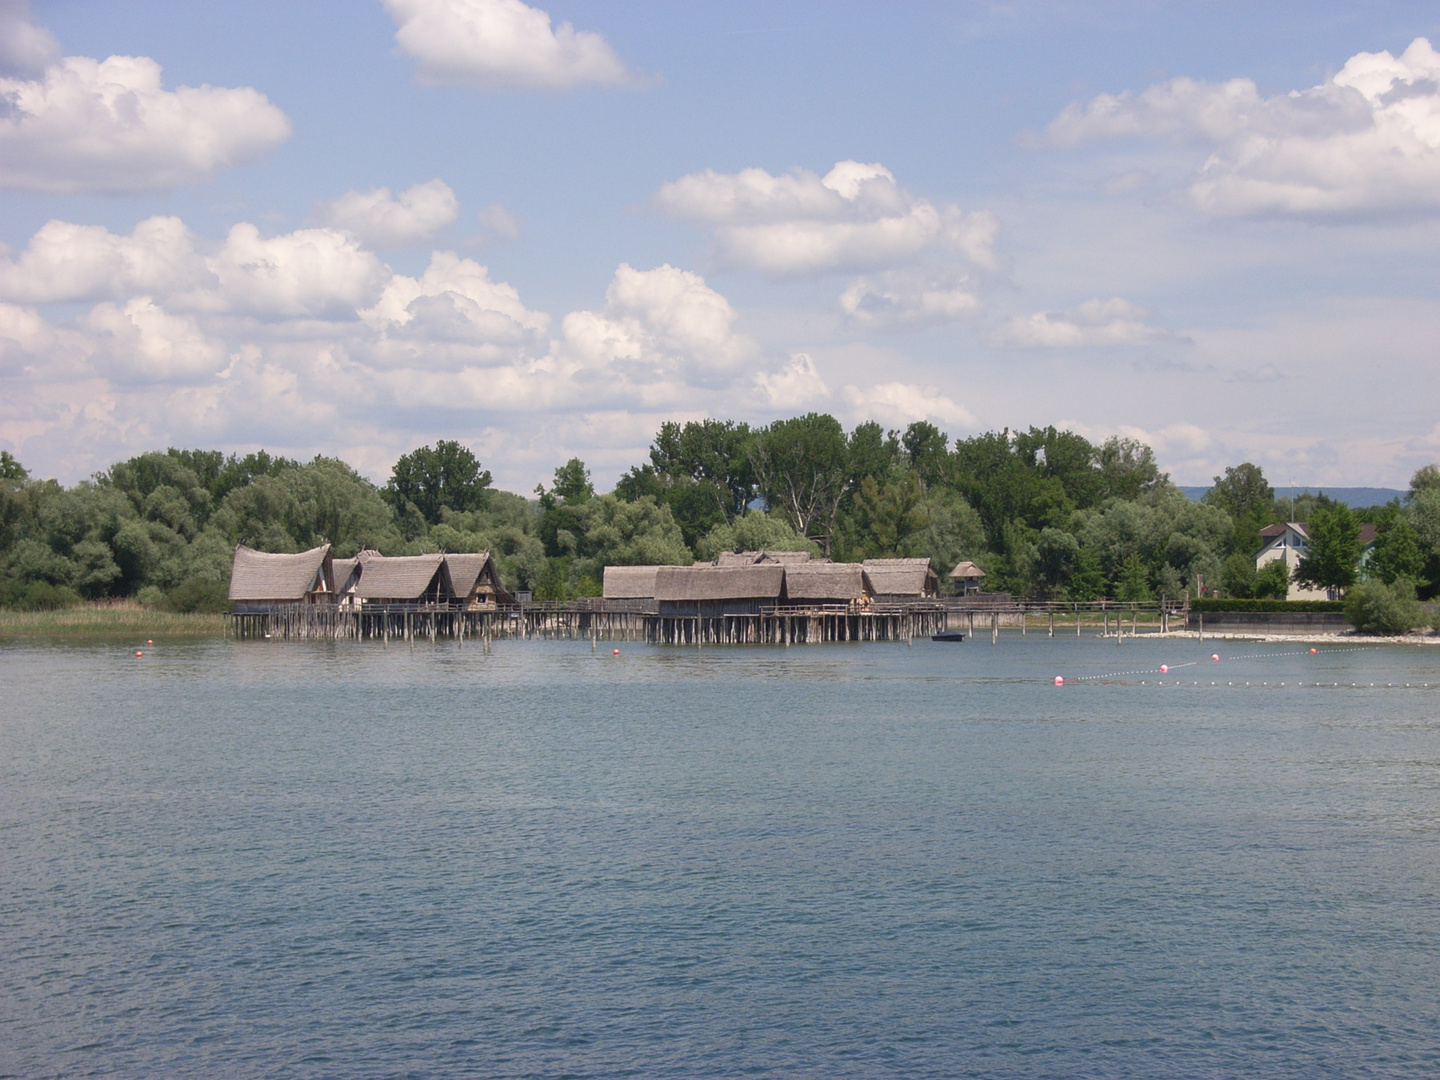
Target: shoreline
{"points": [[112, 620]]}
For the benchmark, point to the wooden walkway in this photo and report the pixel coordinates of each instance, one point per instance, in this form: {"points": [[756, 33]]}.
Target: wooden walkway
{"points": [[776, 625]]}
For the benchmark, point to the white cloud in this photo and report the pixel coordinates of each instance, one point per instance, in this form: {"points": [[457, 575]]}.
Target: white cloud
{"points": [[1367, 140], [795, 385], [451, 316], [64, 262], [657, 325], [26, 48], [899, 404], [307, 273], [901, 299], [497, 225], [90, 125], [854, 218], [383, 220], [498, 44], [141, 342], [1093, 323]]}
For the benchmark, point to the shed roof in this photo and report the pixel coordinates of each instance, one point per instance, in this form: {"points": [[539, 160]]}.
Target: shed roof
{"points": [[719, 582], [966, 569], [263, 575], [406, 577], [826, 581], [629, 582], [899, 577], [1368, 531]]}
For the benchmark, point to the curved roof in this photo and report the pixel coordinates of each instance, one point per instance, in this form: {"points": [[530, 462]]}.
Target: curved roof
{"points": [[966, 569], [264, 575]]}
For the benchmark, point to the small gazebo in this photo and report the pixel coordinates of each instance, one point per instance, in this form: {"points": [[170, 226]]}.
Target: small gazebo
{"points": [[968, 575]]}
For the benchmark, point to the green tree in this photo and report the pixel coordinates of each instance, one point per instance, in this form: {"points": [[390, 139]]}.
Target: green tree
{"points": [[1056, 554], [1333, 554], [802, 470], [928, 450], [1375, 607], [1127, 469], [640, 533], [1272, 581], [1243, 492], [1396, 553], [572, 482], [434, 478], [1237, 576], [713, 452], [755, 531], [1133, 585], [10, 469], [1087, 579], [882, 519]]}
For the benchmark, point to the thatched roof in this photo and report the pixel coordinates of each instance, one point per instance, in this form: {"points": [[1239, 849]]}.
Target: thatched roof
{"points": [[466, 570], [755, 558], [407, 577], [901, 577], [262, 575], [344, 573], [826, 581], [967, 570], [629, 582], [719, 582]]}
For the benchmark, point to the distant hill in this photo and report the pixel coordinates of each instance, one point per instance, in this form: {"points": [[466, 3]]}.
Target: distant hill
{"points": [[1355, 497]]}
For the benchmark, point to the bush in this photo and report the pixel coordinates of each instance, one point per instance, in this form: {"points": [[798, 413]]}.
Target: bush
{"points": [[1209, 604], [39, 596], [1376, 608], [204, 596]]}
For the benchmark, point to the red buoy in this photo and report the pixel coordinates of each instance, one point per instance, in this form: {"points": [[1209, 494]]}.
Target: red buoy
{"points": [[615, 652], [139, 653], [1059, 680]]}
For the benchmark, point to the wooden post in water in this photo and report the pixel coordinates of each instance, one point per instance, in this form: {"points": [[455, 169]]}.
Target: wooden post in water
{"points": [[1052, 622]]}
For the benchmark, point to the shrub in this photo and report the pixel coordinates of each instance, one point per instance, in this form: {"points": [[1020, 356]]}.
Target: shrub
{"points": [[1376, 608], [193, 595], [40, 596]]}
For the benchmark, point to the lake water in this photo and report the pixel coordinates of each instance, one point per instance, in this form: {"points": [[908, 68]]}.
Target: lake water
{"points": [[249, 859]]}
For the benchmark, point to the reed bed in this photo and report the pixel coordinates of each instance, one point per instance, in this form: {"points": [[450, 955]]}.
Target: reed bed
{"points": [[111, 620]]}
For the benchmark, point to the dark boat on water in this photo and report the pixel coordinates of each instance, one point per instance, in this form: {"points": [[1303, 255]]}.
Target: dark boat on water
{"points": [[948, 635]]}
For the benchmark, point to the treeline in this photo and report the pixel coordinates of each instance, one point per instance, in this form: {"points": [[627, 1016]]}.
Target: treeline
{"points": [[1043, 512]]}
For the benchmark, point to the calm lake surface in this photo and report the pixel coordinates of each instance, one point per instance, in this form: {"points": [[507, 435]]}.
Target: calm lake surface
{"points": [[251, 859]]}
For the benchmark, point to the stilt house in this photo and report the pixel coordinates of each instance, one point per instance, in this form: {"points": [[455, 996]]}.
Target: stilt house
{"points": [[902, 580], [262, 577], [968, 576], [409, 579], [713, 591], [827, 583], [346, 575], [476, 581], [630, 588]]}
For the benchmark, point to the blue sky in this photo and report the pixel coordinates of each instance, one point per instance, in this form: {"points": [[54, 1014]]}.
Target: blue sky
{"points": [[544, 230]]}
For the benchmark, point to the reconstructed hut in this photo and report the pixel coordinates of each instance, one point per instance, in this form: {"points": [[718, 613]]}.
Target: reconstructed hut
{"points": [[409, 579], [345, 573], [900, 580], [262, 577], [476, 580], [826, 583], [630, 586], [968, 575], [713, 591]]}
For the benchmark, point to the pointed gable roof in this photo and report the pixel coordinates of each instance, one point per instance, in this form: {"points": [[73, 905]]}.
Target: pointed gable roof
{"points": [[406, 577]]}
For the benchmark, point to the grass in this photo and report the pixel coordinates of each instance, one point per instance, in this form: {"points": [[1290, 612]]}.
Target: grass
{"points": [[123, 619]]}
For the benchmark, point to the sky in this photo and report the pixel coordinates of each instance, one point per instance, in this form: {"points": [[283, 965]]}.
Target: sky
{"points": [[355, 228]]}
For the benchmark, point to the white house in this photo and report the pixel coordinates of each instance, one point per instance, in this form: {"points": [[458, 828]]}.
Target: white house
{"points": [[1290, 542]]}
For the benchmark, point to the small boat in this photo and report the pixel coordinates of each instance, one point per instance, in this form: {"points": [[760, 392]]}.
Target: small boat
{"points": [[948, 635]]}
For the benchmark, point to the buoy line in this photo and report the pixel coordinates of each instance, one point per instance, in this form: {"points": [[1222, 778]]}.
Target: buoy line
{"points": [[1165, 669]]}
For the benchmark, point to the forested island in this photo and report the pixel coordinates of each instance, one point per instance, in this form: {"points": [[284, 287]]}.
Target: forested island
{"points": [[1044, 512]]}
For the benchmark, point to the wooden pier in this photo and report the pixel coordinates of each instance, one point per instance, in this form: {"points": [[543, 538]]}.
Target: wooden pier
{"points": [[599, 620]]}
